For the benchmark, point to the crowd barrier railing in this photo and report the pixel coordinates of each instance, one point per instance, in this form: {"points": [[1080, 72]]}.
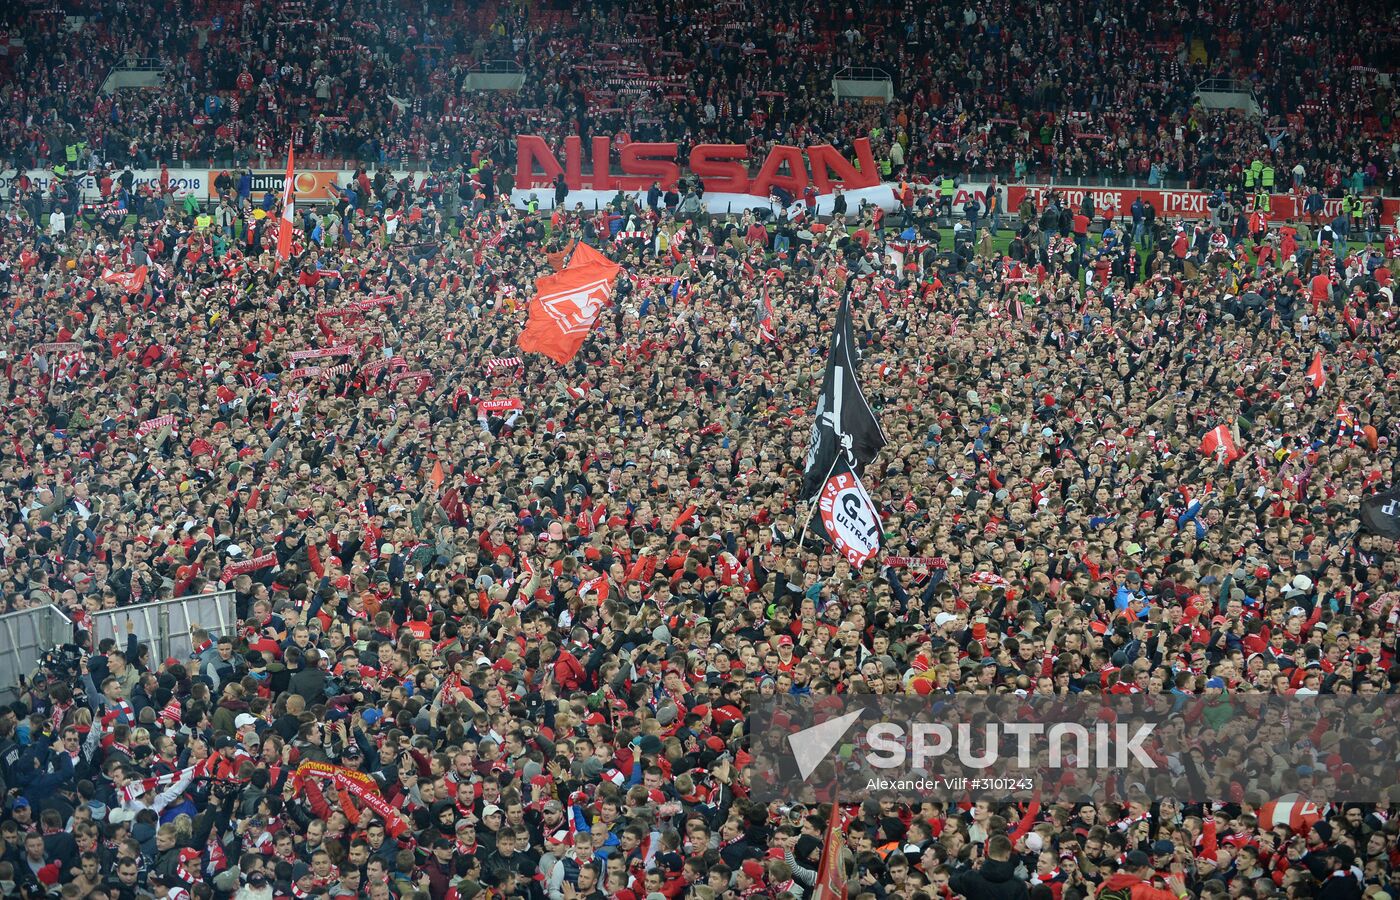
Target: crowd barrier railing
{"points": [[165, 625], [25, 636]]}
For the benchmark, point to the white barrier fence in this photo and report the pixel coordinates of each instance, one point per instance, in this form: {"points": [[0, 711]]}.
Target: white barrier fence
{"points": [[25, 636], [165, 625]]}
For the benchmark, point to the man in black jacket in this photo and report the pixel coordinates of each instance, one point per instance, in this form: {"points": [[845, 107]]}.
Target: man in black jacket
{"points": [[308, 680], [1333, 867], [995, 879]]}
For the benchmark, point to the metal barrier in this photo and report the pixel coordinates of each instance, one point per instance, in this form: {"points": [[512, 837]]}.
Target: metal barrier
{"points": [[499, 67], [495, 75], [862, 83], [165, 625], [133, 73], [863, 73], [1226, 85], [24, 637]]}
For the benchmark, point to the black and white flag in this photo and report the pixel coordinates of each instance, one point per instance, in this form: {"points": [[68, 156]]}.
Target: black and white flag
{"points": [[845, 425], [846, 516], [1380, 513]]}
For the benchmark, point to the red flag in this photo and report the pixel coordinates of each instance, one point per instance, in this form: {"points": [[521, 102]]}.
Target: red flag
{"points": [[284, 230], [451, 504], [567, 304], [831, 871], [437, 476], [129, 282], [1317, 376], [1291, 810], [1220, 443]]}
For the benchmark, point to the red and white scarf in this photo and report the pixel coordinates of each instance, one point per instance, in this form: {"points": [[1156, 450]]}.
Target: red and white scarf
{"points": [[134, 790], [119, 709]]}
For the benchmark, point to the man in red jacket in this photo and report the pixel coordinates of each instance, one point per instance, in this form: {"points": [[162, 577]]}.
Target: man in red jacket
{"points": [[568, 671], [1131, 883]]}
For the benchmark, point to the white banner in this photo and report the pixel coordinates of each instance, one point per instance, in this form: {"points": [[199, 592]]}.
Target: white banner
{"points": [[882, 195], [182, 182]]}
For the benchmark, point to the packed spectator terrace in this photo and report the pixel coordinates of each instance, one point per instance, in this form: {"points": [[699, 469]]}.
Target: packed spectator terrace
{"points": [[1067, 89]]}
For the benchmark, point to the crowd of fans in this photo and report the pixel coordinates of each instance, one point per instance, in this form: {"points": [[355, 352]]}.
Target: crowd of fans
{"points": [[539, 630], [1017, 88], [510, 651]]}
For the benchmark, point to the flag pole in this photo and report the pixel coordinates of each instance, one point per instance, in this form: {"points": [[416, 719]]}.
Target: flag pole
{"points": [[812, 507]]}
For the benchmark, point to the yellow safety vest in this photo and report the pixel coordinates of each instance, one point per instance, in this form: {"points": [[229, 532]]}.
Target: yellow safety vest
{"points": [[946, 187]]}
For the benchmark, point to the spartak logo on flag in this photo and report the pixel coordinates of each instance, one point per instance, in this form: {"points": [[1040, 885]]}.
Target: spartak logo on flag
{"points": [[567, 304], [1220, 443], [1317, 376], [129, 282]]}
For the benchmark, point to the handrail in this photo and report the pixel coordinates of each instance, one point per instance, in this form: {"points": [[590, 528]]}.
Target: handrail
{"points": [[498, 67], [140, 64], [863, 73], [1224, 85]]}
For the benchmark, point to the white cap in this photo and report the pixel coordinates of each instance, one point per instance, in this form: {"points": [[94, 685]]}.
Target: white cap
{"points": [[944, 618], [243, 720]]}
